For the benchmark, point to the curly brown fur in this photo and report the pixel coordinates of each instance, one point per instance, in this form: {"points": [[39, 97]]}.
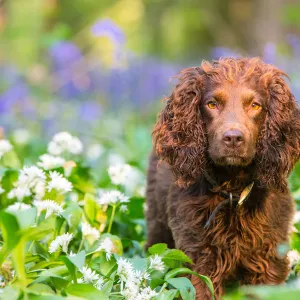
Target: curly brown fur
{"points": [[191, 141]]}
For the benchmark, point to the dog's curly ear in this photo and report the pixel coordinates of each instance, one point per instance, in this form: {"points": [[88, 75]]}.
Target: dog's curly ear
{"points": [[279, 144], [179, 135]]}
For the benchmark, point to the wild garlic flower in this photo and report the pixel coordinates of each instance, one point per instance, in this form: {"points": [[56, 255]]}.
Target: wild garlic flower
{"points": [[90, 232], [21, 136], [94, 151], [31, 176], [293, 257], [99, 283], [297, 217], [108, 246], [123, 208], [112, 198], [125, 270], [59, 183], [88, 275], [64, 142], [18, 206], [62, 241], [50, 206], [146, 294], [19, 193], [49, 162], [5, 146], [121, 174], [156, 263], [30, 180]]}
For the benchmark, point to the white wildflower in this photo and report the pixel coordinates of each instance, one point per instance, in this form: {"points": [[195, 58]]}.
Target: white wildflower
{"points": [[125, 270], [156, 263], [123, 208], [141, 191], [61, 241], [49, 162], [19, 193], [40, 190], [17, 207], [21, 136], [131, 291], [31, 179], [50, 206], [31, 176], [112, 198], [89, 275], [297, 217], [293, 257], [90, 232], [108, 246], [99, 283], [5, 146], [72, 254], [121, 173], [64, 142], [59, 183], [146, 294], [94, 151]]}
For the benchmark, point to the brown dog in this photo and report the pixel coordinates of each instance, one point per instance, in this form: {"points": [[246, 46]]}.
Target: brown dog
{"points": [[217, 184]]}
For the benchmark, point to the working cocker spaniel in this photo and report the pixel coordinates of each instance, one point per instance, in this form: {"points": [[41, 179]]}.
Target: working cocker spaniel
{"points": [[224, 145]]}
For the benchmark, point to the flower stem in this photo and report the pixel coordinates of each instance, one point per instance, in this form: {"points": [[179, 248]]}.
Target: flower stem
{"points": [[111, 218]]}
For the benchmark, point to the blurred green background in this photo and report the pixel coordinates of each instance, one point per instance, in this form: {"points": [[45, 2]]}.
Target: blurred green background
{"points": [[64, 61]]}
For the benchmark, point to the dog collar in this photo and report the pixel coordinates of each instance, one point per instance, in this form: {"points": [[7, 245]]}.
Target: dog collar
{"points": [[229, 197]]}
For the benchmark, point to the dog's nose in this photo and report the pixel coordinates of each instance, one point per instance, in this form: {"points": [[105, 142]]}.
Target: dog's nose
{"points": [[233, 138]]}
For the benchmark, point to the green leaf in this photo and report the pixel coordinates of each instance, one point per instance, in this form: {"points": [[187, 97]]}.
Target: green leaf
{"points": [[10, 230], [26, 218], [179, 271], [10, 293], [90, 208], [176, 255], [72, 214], [158, 249], [78, 260], [11, 160], [85, 291], [184, 285], [167, 295], [40, 288]]}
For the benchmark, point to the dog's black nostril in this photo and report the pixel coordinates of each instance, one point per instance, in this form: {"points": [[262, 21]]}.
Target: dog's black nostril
{"points": [[233, 138]]}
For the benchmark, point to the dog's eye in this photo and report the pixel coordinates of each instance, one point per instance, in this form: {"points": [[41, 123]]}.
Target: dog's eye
{"points": [[212, 104], [255, 106]]}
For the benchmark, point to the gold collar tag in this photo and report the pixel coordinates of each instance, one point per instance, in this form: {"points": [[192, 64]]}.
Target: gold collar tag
{"points": [[245, 193]]}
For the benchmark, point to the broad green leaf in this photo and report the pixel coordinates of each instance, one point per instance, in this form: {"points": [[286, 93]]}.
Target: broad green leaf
{"points": [[40, 288], [26, 218], [176, 255], [39, 232], [11, 160], [90, 208], [86, 291], [167, 295], [10, 230], [72, 214], [184, 285], [180, 271], [78, 259], [10, 293], [139, 264], [158, 249]]}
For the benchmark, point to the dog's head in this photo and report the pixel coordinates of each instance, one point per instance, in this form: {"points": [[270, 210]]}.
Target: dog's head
{"points": [[232, 112]]}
